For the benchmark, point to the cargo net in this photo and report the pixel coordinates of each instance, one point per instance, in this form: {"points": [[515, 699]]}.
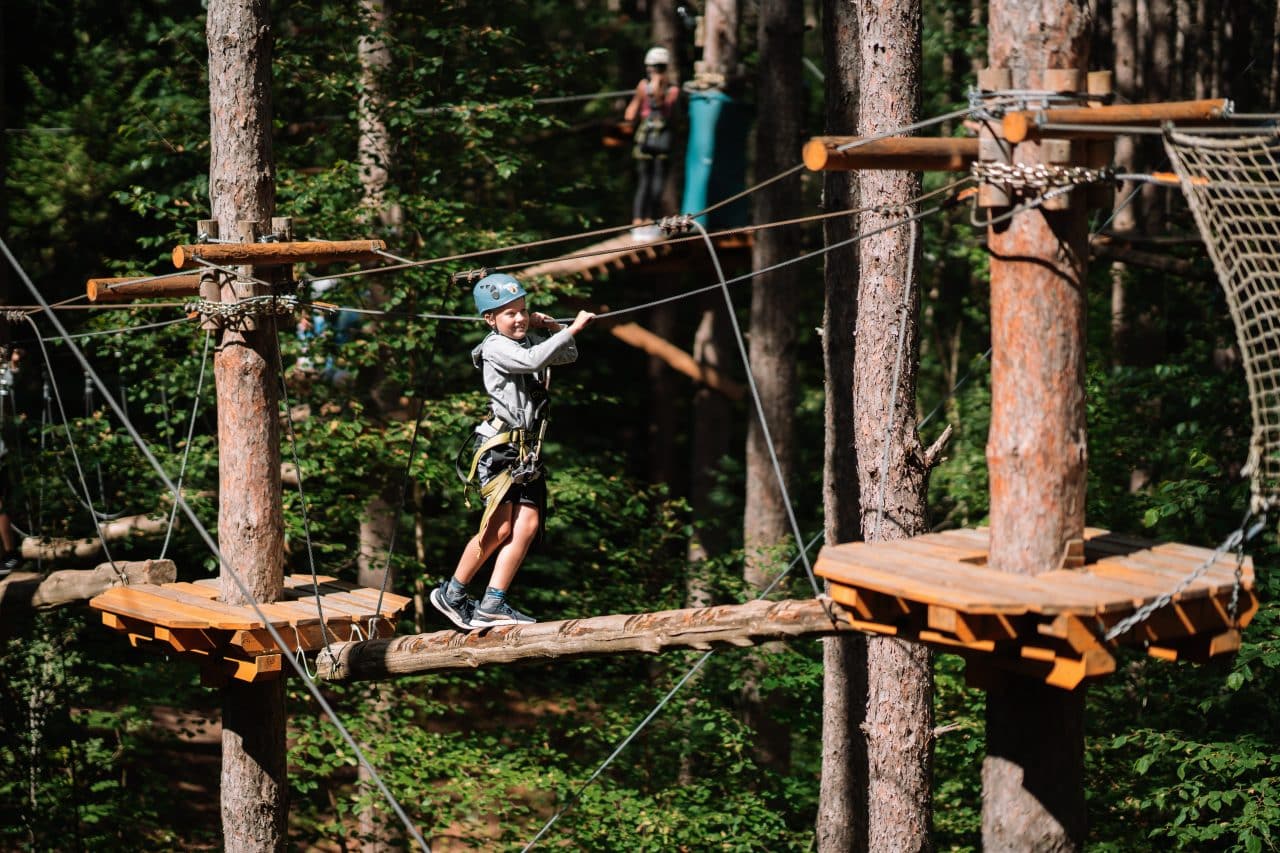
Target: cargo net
{"points": [[1233, 188]]}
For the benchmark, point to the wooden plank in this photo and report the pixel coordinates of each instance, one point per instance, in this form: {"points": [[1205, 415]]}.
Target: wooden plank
{"points": [[328, 605], [200, 589], [1152, 577], [137, 603], [225, 617], [986, 586], [896, 578], [390, 600]]}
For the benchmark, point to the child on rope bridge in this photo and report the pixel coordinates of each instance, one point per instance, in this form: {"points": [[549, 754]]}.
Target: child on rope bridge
{"points": [[514, 360]]}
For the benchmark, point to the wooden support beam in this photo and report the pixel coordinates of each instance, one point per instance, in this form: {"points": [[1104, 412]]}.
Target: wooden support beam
{"points": [[905, 153], [678, 359], [128, 289], [1022, 124], [739, 625], [70, 586], [277, 254]]}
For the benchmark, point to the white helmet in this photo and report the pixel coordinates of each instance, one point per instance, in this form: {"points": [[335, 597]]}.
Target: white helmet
{"points": [[657, 56]]}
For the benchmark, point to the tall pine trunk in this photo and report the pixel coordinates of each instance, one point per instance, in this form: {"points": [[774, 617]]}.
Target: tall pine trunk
{"points": [[381, 512], [1033, 775], [842, 814], [892, 475], [250, 521], [766, 529]]}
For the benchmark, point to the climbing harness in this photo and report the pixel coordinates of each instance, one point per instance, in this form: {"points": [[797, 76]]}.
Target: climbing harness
{"points": [[515, 450]]}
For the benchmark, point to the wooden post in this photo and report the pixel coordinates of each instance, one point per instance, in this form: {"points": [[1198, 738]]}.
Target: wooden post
{"points": [[250, 518], [1033, 775]]}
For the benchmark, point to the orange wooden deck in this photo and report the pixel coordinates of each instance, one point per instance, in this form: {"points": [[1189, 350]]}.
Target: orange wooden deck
{"points": [[231, 641], [937, 589]]}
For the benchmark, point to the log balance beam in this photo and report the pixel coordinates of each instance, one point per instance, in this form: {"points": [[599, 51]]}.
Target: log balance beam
{"points": [[277, 254], [906, 153], [701, 628]]}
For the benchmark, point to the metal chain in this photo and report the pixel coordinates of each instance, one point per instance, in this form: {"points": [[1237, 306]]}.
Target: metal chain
{"points": [[1236, 541], [1040, 176], [252, 306]]}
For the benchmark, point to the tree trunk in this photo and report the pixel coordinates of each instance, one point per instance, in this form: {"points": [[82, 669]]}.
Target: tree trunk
{"points": [[720, 52], [766, 529], [378, 522], [892, 478], [1273, 90], [711, 426], [1124, 28], [1157, 86], [842, 814], [1036, 451], [250, 523]]}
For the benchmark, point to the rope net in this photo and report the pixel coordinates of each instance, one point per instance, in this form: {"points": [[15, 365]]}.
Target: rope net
{"points": [[1233, 188]]}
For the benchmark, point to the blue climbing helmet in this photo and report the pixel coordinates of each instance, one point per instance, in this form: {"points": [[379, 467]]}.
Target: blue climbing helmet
{"points": [[495, 290]]}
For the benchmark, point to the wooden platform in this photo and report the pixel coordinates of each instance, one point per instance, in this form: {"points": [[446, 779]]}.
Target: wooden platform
{"points": [[232, 641], [937, 589], [625, 251]]}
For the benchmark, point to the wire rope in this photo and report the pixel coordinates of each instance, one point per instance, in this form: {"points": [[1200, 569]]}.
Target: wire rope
{"points": [[66, 425], [759, 406], [302, 496], [662, 703], [186, 450], [222, 561]]}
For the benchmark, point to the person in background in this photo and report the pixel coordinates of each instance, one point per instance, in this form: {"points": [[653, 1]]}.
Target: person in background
{"points": [[653, 105], [11, 558]]}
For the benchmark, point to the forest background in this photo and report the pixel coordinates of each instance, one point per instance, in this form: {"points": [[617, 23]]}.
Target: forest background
{"points": [[104, 161]]}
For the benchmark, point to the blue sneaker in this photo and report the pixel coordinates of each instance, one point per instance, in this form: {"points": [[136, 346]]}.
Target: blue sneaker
{"points": [[458, 613], [497, 615]]}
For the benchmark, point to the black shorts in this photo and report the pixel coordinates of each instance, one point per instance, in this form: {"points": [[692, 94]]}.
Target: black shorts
{"points": [[532, 493], [494, 462]]}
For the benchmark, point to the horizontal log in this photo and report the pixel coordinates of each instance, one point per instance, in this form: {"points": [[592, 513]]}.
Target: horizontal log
{"points": [[128, 289], [1017, 126], [1108, 251], [904, 153], [277, 254], [134, 525], [69, 586], [37, 548], [678, 359], [739, 625]]}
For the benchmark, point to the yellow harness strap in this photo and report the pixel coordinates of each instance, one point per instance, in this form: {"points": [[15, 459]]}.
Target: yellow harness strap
{"points": [[496, 489]]}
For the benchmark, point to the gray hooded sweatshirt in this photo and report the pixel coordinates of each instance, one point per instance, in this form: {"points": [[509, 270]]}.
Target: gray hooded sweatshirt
{"points": [[507, 365]]}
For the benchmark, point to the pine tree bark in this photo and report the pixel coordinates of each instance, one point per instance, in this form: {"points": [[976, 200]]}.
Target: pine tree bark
{"points": [[381, 512], [892, 475], [766, 527], [250, 521], [842, 813], [1033, 775], [711, 427], [1124, 29]]}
